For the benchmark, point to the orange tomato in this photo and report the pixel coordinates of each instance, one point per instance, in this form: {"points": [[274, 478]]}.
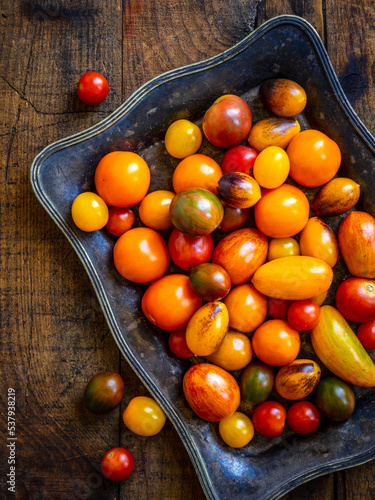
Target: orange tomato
{"points": [[276, 342], [122, 178], [282, 212], [247, 308], [169, 302], [318, 240], [314, 158], [197, 170], [141, 255], [234, 353], [154, 210], [271, 167], [282, 247]]}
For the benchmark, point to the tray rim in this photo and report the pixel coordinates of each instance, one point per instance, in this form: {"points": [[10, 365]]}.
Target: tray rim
{"points": [[108, 122]]}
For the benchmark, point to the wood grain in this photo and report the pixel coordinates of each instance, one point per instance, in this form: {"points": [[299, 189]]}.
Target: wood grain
{"points": [[53, 333]]}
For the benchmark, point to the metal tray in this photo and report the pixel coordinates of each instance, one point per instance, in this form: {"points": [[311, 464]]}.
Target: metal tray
{"points": [[286, 46]]}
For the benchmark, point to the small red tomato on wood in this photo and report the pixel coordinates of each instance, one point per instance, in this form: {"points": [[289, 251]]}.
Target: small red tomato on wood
{"points": [[117, 464], [92, 88], [355, 299]]}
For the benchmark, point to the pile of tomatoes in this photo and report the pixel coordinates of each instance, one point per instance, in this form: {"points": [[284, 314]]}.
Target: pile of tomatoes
{"points": [[245, 289]]}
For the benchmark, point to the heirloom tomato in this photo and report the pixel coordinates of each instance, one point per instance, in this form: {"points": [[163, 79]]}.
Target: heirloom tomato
{"points": [[189, 251], [247, 308], [366, 334], [211, 392], [117, 464], [237, 430], [271, 167], [283, 97], [239, 159], [197, 171], [282, 247], [335, 399], [144, 416], [154, 210], [227, 122], [282, 212], [297, 379], [303, 417], [303, 315], [234, 353], [122, 178], [240, 253], [177, 344], [256, 383], [183, 138], [314, 158], [276, 342], [170, 302], [141, 255], [355, 299], [336, 197], [209, 281], [269, 418], [120, 220], [238, 190], [89, 212], [273, 131], [104, 392], [92, 88], [234, 218]]}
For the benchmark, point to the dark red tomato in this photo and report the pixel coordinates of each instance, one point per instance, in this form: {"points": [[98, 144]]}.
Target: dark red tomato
{"points": [[355, 299], [188, 251], [227, 122], [92, 88], [269, 418], [303, 315], [120, 220], [366, 334], [177, 344], [303, 417], [117, 464], [239, 159], [104, 392], [278, 308], [234, 218]]}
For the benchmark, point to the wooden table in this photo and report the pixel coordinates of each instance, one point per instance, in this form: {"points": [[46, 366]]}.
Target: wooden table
{"points": [[53, 333]]}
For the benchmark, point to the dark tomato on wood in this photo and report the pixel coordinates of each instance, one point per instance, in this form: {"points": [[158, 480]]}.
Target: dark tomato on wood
{"points": [[104, 392], [303, 417], [117, 464], [188, 251], [355, 299], [269, 418], [92, 88]]}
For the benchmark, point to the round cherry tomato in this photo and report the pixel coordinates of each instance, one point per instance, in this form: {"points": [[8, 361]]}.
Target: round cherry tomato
{"points": [[120, 220], [89, 212], [211, 392], [170, 302], [92, 88], [144, 416], [117, 464], [177, 344], [189, 251], [141, 255], [282, 212], [314, 158], [104, 392], [237, 430], [304, 315], [269, 418], [366, 334], [239, 159], [183, 138], [303, 417], [355, 299], [278, 308], [234, 352], [122, 178], [234, 218], [227, 122], [247, 308], [282, 247], [271, 167], [197, 171], [276, 342], [154, 210]]}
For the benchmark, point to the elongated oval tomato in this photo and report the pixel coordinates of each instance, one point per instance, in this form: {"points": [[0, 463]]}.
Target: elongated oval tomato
{"points": [[298, 379]]}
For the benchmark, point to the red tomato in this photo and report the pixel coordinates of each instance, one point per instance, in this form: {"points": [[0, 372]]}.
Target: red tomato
{"points": [[169, 302], [276, 342], [189, 251], [92, 88], [212, 392], [304, 315], [227, 122], [366, 334], [120, 220], [240, 253], [122, 178], [269, 418], [177, 344], [355, 299], [278, 308], [141, 255], [239, 159], [303, 417], [117, 464]]}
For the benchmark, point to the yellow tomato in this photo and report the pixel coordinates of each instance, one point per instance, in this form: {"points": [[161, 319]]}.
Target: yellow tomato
{"points": [[89, 212], [282, 247], [144, 416], [234, 352], [271, 167], [183, 138], [237, 430]]}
